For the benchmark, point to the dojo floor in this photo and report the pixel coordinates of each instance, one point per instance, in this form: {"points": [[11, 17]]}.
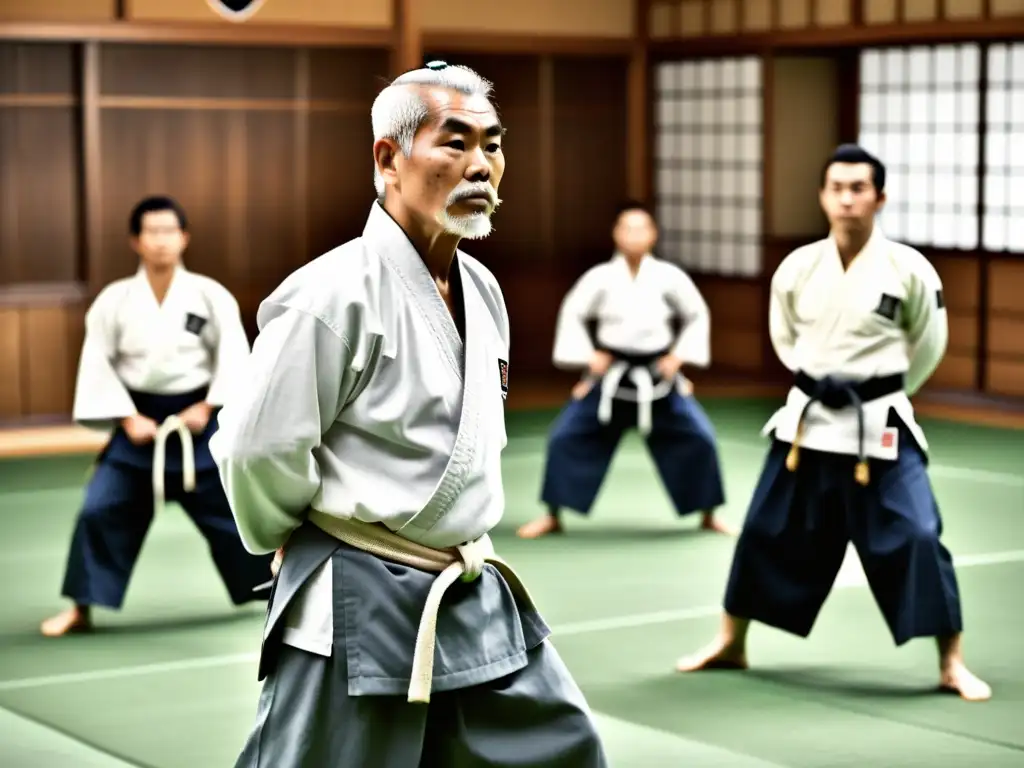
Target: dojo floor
{"points": [[170, 682]]}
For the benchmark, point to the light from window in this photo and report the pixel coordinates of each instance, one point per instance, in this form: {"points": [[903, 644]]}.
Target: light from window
{"points": [[919, 110], [708, 159], [1003, 224]]}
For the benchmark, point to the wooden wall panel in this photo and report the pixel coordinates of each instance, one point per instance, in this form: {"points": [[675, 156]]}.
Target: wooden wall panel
{"points": [[11, 390], [39, 173], [57, 10], [1005, 311], [959, 10], [576, 18], [794, 14], [833, 13], [349, 13], [1002, 8], [798, 145], [738, 316], [41, 331]]}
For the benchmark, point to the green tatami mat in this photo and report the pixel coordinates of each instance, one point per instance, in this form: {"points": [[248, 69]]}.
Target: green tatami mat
{"points": [[169, 682]]}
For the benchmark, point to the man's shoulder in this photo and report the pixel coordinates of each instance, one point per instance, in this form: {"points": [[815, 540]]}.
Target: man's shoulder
{"points": [[330, 285], [210, 287]]}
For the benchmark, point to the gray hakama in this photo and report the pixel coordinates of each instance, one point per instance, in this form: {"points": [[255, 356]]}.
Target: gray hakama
{"points": [[501, 694]]}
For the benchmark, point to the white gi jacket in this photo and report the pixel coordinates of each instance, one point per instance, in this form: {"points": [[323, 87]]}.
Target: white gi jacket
{"points": [[361, 400], [884, 315], [194, 338]]}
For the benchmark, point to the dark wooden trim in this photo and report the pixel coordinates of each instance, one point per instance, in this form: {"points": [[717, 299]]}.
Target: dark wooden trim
{"points": [[213, 33], [638, 94], [407, 37], [221, 103], [857, 13], [537, 45], [42, 294], [546, 162], [984, 261], [301, 154], [1008, 28], [767, 199], [120, 12]]}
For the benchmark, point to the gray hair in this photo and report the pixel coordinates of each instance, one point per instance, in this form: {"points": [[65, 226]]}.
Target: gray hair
{"points": [[399, 110]]}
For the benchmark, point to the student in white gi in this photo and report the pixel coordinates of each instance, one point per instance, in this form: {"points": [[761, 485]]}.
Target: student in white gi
{"points": [[861, 323], [632, 323], [367, 443], [163, 350]]}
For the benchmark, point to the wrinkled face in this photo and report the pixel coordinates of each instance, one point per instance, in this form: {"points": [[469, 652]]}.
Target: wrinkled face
{"points": [[161, 240], [849, 198], [635, 233], [452, 174]]}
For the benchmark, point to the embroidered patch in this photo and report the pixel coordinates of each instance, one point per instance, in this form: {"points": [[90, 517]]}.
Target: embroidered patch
{"points": [[194, 323], [888, 306], [503, 377], [889, 438], [940, 300]]}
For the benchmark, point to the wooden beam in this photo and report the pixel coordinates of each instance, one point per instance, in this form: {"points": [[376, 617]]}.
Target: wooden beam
{"points": [[41, 294], [537, 45], [932, 32], [273, 35], [546, 157], [92, 184], [407, 34], [638, 94]]}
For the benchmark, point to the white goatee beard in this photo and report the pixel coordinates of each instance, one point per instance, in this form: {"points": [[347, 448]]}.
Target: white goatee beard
{"points": [[473, 226]]}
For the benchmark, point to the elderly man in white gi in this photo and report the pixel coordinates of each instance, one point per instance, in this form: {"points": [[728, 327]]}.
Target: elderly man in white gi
{"points": [[632, 323], [162, 352], [366, 444], [861, 323]]}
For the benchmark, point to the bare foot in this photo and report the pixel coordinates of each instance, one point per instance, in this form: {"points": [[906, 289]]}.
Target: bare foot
{"points": [[542, 526], [72, 620], [958, 679], [710, 523], [718, 655]]}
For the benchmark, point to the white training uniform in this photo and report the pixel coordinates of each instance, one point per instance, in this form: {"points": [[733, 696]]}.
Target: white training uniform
{"points": [[193, 339], [361, 400], [829, 322], [633, 313]]}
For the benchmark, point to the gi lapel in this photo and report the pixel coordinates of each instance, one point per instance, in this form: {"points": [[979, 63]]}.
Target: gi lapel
{"points": [[479, 371], [162, 334], [389, 241]]}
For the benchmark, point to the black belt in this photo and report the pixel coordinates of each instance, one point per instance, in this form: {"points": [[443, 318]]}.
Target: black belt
{"points": [[835, 394]]}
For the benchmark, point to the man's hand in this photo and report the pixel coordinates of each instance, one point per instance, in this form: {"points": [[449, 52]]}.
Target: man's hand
{"points": [[196, 417], [668, 366], [600, 362], [140, 429], [275, 564]]}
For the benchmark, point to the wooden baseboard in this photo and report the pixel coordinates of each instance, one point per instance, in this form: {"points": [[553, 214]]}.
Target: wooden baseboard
{"points": [[60, 438]]}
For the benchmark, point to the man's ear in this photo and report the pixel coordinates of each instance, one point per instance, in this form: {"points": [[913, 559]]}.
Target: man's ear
{"points": [[385, 155]]}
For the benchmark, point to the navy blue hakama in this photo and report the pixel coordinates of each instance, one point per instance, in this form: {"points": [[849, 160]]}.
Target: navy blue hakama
{"points": [[800, 523], [118, 510], [682, 443]]}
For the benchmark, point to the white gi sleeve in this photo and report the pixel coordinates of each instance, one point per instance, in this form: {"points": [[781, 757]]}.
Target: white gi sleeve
{"points": [[101, 398], [232, 346], [781, 322], [296, 382], [927, 324], [573, 345], [693, 346]]}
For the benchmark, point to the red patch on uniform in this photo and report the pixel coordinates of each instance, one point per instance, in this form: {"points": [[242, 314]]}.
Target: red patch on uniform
{"points": [[503, 377], [887, 439]]}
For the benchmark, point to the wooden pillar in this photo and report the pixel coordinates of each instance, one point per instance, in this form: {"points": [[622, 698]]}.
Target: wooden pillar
{"points": [[407, 37], [638, 108]]}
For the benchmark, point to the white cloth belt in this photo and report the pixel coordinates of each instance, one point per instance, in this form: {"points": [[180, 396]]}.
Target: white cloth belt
{"points": [[646, 392], [188, 459], [465, 561]]}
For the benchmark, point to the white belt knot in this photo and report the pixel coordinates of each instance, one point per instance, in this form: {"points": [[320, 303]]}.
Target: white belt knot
{"points": [[465, 561], [188, 459], [646, 392]]}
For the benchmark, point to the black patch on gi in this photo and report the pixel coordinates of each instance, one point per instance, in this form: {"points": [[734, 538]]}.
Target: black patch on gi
{"points": [[940, 300], [233, 6], [194, 323], [503, 377], [888, 306]]}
